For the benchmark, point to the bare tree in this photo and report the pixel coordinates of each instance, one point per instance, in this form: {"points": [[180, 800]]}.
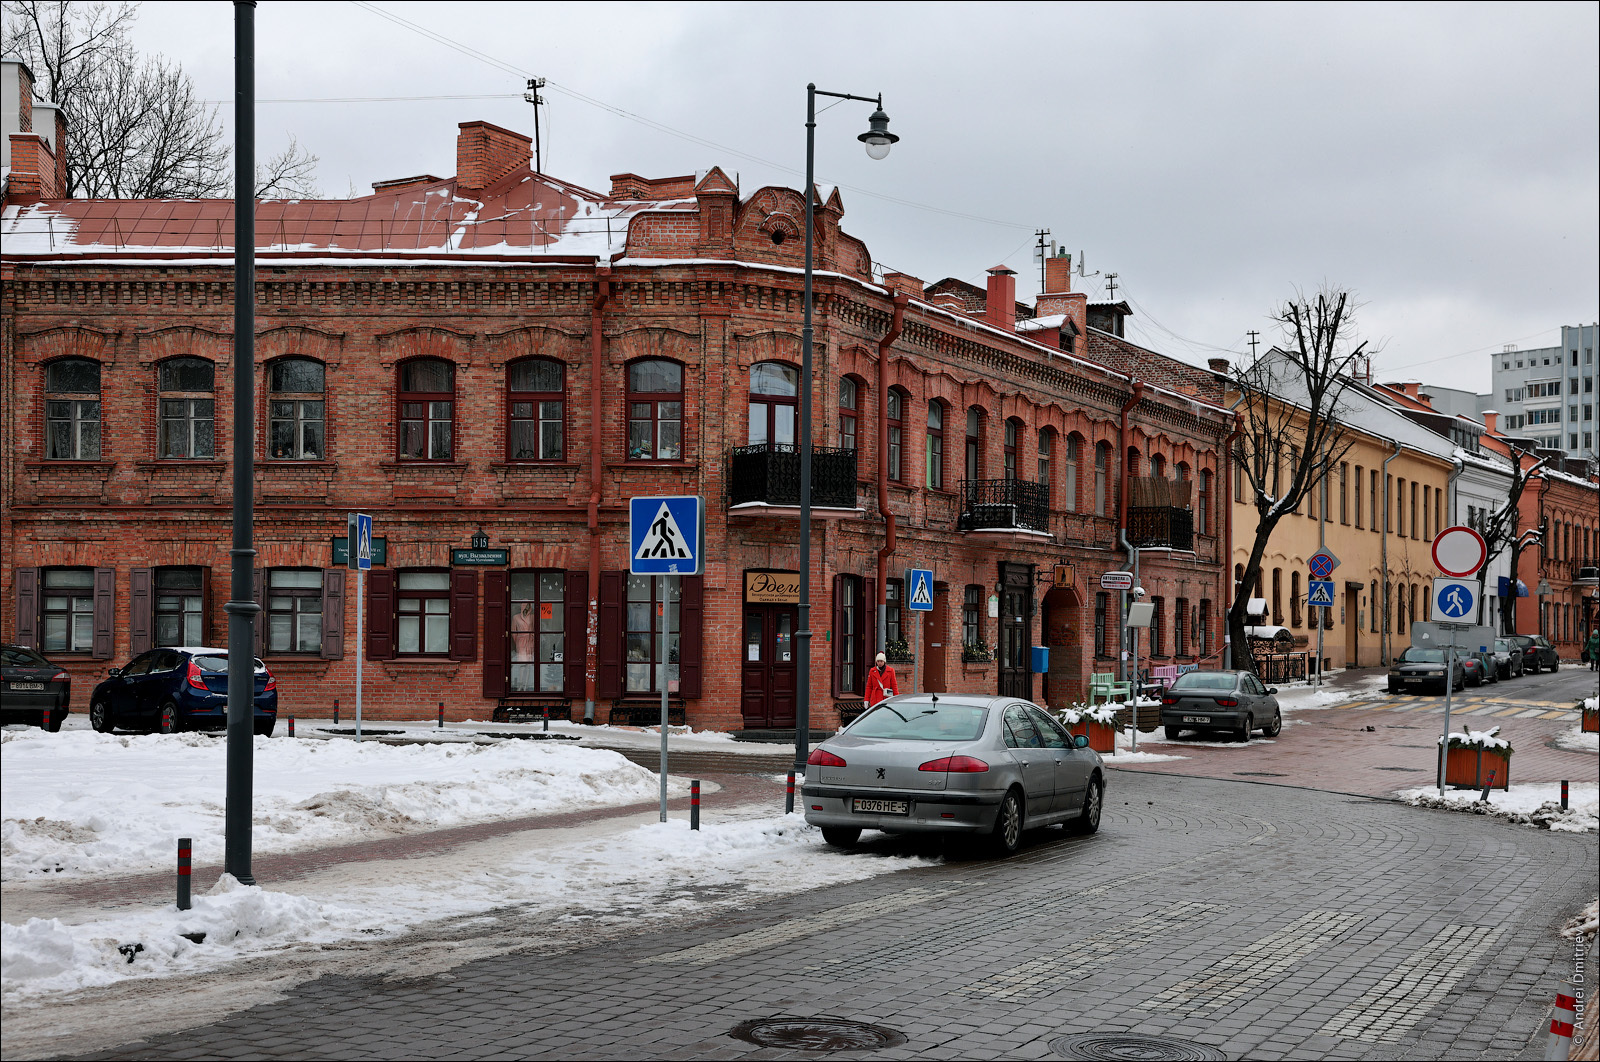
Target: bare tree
{"points": [[290, 174], [1292, 398], [1498, 527]]}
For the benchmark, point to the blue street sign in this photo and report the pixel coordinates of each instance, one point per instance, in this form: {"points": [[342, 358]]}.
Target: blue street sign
{"points": [[1321, 595], [919, 589], [666, 535], [1322, 564], [359, 531], [1455, 599]]}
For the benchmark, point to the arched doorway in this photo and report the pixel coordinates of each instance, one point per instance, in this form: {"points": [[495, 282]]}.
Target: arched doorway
{"points": [[1063, 630]]}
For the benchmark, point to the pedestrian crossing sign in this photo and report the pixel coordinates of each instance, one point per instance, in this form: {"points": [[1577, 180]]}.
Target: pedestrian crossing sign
{"points": [[1321, 595], [666, 535], [919, 589]]}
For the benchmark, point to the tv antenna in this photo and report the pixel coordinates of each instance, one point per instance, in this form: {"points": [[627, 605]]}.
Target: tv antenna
{"points": [[1042, 254], [532, 96]]}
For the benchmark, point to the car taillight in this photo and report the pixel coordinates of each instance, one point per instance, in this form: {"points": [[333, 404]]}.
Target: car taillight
{"points": [[956, 765], [60, 676], [272, 683], [1169, 700], [1227, 702], [823, 758], [197, 677]]}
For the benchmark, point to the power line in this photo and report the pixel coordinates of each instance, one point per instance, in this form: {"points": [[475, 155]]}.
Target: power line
{"points": [[375, 99]]}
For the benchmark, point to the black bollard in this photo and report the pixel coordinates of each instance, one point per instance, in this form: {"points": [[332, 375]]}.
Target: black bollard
{"points": [[336, 711], [441, 715], [788, 800], [184, 848], [1563, 794], [694, 804]]}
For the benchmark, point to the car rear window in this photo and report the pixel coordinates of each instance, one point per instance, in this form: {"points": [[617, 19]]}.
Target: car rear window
{"points": [[1423, 656], [1204, 680], [923, 721], [210, 662]]}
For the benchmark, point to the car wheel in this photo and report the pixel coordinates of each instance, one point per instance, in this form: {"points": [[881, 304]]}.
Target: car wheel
{"points": [[1276, 726], [167, 722], [1243, 733], [1536, 667], [1093, 800], [52, 722], [100, 717], [1173, 732], [841, 836], [265, 729], [1394, 690], [1007, 836], [1555, 666]]}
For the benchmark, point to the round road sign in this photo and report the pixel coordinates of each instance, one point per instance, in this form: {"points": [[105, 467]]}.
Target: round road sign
{"points": [[1459, 551]]}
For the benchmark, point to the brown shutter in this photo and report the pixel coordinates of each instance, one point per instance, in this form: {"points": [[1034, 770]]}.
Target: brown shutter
{"points": [[333, 613], [205, 607], [869, 628], [496, 631], [258, 595], [139, 614], [839, 587], [691, 622], [105, 613], [27, 629], [608, 654], [464, 615], [380, 614], [575, 653]]}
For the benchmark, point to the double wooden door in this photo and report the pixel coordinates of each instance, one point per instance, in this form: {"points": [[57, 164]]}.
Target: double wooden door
{"points": [[768, 665]]}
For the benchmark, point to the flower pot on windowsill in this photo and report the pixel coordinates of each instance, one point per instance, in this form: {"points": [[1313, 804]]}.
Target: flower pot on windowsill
{"points": [[1476, 759]]}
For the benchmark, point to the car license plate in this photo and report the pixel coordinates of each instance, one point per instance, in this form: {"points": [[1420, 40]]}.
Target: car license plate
{"points": [[880, 807], [1414, 680], [1197, 719], [27, 685]]}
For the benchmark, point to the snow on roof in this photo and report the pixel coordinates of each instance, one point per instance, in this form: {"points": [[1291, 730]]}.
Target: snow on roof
{"points": [[1039, 324]]}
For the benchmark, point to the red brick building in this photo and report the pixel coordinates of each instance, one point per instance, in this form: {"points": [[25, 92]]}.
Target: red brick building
{"points": [[508, 354]]}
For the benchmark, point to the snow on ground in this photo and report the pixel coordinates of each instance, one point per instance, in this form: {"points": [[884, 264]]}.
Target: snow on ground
{"points": [[1536, 804], [605, 735], [78, 802], [1578, 741], [656, 870], [1307, 697]]}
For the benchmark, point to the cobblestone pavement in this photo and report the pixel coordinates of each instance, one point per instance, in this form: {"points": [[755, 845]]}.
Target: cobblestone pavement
{"points": [[1265, 922]]}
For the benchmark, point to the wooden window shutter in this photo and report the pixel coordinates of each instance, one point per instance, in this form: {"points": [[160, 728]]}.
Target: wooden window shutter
{"points": [[205, 607], [140, 618], [464, 615], [575, 654], [380, 614], [28, 607], [258, 586], [608, 654], [839, 587], [691, 625], [105, 613], [333, 613], [869, 629], [496, 631]]}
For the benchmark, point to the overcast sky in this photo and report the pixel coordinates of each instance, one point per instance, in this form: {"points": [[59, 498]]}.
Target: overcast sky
{"points": [[1441, 160]]}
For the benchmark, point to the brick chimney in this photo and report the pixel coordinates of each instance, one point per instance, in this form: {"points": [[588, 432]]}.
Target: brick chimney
{"points": [[1218, 365], [485, 153], [1491, 421], [904, 283], [1058, 274], [1000, 310]]}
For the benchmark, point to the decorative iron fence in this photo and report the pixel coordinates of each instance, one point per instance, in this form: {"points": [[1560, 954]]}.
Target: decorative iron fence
{"points": [[770, 473], [1004, 505], [1161, 527]]}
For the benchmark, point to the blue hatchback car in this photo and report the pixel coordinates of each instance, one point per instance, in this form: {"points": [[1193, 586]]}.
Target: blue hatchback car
{"points": [[176, 688]]}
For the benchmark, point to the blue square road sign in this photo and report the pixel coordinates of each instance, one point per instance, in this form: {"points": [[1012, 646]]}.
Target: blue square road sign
{"points": [[666, 535], [919, 589]]}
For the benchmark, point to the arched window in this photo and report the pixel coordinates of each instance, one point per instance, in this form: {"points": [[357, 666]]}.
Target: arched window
{"points": [[188, 410], [935, 447], [1013, 432], [774, 398], [894, 413], [1047, 446], [1182, 471], [427, 409], [1158, 466], [295, 409], [72, 410], [655, 410], [1294, 599], [1277, 596], [1133, 461], [1102, 478], [974, 463], [849, 409], [1202, 504], [536, 403], [1070, 488]]}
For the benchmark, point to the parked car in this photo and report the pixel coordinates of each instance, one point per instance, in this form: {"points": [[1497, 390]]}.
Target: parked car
{"points": [[953, 764], [32, 689], [1507, 659], [1537, 652], [1473, 668], [1419, 669], [1233, 701], [1491, 671], [177, 688]]}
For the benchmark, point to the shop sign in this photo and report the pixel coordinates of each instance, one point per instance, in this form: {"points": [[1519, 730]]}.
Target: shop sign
{"points": [[483, 558], [341, 551], [772, 588]]}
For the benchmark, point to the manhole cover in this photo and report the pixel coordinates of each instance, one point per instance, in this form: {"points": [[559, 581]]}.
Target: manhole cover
{"points": [[817, 1034], [1130, 1047], [1260, 774], [1397, 769]]}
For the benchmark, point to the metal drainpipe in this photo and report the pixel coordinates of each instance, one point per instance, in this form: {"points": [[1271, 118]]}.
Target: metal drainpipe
{"points": [[1227, 541], [602, 295], [1122, 534], [896, 325], [1383, 637]]}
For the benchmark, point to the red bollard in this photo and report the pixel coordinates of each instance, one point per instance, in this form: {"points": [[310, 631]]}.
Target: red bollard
{"points": [[291, 726], [1563, 794], [694, 804], [336, 711], [184, 848], [441, 715], [788, 800]]}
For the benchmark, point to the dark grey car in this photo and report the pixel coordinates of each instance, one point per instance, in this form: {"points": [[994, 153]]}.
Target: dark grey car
{"points": [[953, 764], [1423, 669], [1233, 701]]}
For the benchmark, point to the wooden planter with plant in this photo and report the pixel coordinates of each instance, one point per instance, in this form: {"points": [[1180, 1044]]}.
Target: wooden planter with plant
{"points": [[1591, 717], [1098, 724], [1477, 758]]}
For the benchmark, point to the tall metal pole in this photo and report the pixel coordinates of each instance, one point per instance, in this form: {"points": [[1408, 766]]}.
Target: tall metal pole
{"points": [[664, 617], [802, 733], [241, 608], [1322, 545]]}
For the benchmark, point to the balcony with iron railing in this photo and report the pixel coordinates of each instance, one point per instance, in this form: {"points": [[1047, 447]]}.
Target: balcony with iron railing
{"points": [[1004, 505], [767, 476], [1161, 527]]}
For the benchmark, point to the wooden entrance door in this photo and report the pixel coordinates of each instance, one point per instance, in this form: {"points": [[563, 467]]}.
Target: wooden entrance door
{"points": [[1352, 626], [1016, 622], [768, 666], [935, 633]]}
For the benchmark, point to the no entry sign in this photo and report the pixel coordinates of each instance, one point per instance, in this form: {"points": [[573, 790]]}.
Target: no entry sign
{"points": [[1459, 551]]}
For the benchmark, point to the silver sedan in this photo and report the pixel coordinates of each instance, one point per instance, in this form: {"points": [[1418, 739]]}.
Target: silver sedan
{"points": [[953, 764]]}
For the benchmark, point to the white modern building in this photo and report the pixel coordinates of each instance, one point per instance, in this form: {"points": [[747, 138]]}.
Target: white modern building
{"points": [[1549, 394]]}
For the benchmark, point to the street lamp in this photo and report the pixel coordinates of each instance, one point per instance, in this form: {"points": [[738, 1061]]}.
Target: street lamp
{"points": [[878, 141]]}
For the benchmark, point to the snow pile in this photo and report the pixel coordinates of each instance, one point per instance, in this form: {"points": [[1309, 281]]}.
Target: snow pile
{"points": [[1302, 698], [1535, 804], [1477, 739], [79, 802], [1578, 740], [1078, 713]]}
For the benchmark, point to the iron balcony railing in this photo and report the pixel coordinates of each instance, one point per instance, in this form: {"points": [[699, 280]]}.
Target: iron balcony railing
{"points": [[770, 473], [1161, 527], [1004, 505]]}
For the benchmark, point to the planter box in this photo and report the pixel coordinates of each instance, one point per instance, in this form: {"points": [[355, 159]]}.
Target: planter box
{"points": [[1470, 768], [1102, 736], [1591, 720], [1148, 721]]}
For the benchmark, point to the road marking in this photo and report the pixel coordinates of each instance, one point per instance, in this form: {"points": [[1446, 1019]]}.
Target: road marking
{"points": [[1531, 713], [1051, 973], [1406, 995], [1259, 965], [1508, 711], [1553, 715], [794, 928]]}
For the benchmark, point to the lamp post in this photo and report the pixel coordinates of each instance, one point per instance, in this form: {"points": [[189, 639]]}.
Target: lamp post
{"points": [[878, 141]]}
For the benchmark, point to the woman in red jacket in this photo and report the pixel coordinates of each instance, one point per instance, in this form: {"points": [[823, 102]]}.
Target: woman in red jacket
{"points": [[881, 682]]}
